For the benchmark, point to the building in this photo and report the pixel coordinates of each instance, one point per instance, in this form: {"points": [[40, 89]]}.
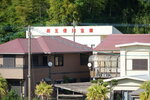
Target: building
{"points": [[86, 35], [69, 61], [134, 65], [106, 58]]}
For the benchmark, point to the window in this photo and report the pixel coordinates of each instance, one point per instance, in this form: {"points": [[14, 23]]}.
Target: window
{"points": [[45, 63], [35, 60], [139, 64], [58, 60], [84, 59], [9, 61]]}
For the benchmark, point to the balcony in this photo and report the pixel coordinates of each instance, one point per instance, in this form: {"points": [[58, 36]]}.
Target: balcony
{"points": [[10, 72]]}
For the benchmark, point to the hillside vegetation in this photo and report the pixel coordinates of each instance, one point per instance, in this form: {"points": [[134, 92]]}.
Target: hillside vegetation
{"points": [[129, 16]]}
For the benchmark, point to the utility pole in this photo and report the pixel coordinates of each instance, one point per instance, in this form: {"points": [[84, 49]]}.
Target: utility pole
{"points": [[29, 63], [74, 31]]}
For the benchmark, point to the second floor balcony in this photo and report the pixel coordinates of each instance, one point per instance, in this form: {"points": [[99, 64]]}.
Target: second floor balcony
{"points": [[12, 72]]}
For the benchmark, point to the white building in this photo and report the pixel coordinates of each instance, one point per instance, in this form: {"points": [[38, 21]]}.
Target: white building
{"points": [[135, 69], [86, 35], [133, 50], [134, 59]]}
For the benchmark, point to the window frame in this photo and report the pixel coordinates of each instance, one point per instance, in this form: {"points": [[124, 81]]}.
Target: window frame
{"points": [[9, 61], [60, 60], [137, 62]]}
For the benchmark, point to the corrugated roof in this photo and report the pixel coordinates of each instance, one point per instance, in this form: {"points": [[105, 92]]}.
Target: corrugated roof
{"points": [[76, 87], [110, 41], [44, 44]]}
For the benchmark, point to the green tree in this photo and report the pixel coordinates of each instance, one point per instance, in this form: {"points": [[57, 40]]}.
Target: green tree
{"points": [[43, 90], [62, 12], [105, 88], [3, 87], [145, 95], [91, 11], [97, 92]]}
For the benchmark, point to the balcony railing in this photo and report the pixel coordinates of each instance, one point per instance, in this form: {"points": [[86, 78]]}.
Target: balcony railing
{"points": [[107, 72], [12, 67], [22, 66]]}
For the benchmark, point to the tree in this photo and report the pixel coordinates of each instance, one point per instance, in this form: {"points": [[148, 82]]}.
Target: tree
{"points": [[97, 92], [145, 95], [91, 11], [99, 89], [62, 12], [3, 87], [43, 90]]}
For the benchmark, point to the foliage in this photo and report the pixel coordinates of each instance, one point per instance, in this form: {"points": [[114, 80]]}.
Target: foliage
{"points": [[43, 90], [15, 15], [65, 79], [11, 95], [145, 95], [97, 92], [3, 87], [62, 12]]}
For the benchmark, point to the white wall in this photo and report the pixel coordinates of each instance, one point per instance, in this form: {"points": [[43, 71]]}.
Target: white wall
{"points": [[128, 84], [87, 35], [134, 52]]}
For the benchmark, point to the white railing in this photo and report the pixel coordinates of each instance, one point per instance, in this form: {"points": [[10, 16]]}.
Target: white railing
{"points": [[107, 72]]}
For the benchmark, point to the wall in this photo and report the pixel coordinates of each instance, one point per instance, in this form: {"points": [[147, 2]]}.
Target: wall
{"points": [[128, 84], [19, 60], [13, 73], [82, 33], [135, 52], [71, 68], [1, 60]]}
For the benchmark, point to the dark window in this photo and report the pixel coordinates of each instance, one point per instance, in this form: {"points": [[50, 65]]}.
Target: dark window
{"points": [[45, 63], [58, 60], [140, 64], [84, 59], [35, 60], [9, 61]]}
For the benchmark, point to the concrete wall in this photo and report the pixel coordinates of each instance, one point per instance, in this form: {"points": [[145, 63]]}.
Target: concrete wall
{"points": [[127, 54]]}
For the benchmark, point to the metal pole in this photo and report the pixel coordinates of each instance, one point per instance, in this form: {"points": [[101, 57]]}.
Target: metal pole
{"points": [[74, 30], [29, 63]]}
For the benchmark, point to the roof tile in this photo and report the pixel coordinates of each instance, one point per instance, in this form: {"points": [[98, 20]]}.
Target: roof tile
{"points": [[44, 44], [110, 41]]}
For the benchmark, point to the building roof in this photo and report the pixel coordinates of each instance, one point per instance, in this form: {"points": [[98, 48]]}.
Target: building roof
{"points": [[44, 44], [133, 44], [134, 77], [108, 44], [76, 87]]}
